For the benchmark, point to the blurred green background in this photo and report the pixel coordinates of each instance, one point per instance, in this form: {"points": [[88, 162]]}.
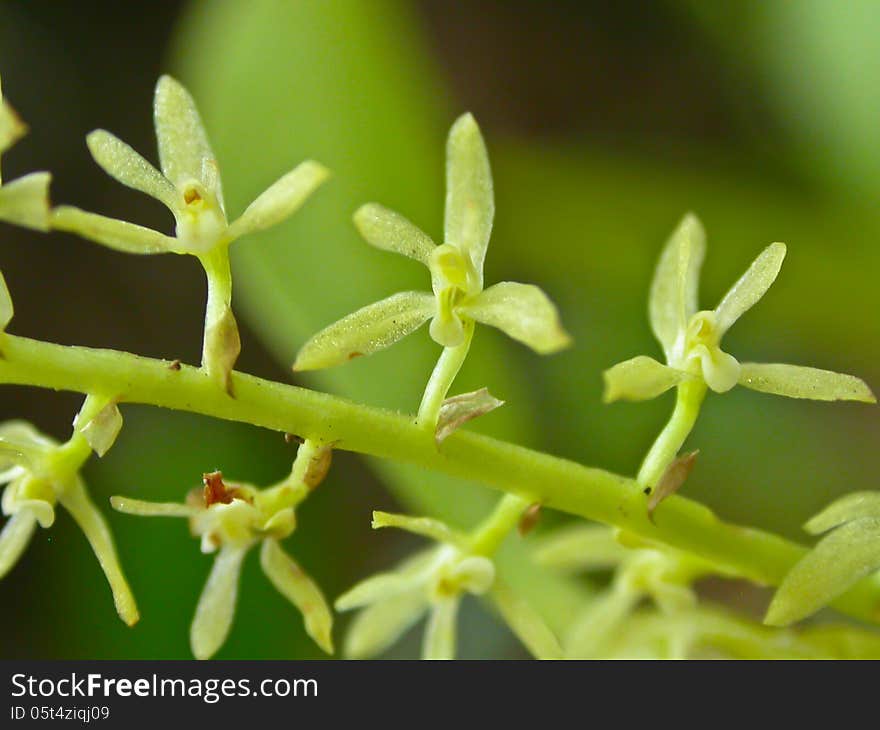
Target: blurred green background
{"points": [[605, 123]]}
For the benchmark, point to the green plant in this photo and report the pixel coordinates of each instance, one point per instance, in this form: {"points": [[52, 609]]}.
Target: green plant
{"points": [[660, 544]]}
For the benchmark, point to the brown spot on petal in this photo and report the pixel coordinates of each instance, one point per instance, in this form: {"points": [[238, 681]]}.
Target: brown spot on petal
{"points": [[292, 438], [529, 519], [353, 355], [175, 365]]}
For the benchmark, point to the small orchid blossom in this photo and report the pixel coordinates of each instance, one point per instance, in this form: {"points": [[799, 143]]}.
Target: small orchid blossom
{"points": [[190, 187], [522, 311], [24, 201], [39, 474], [641, 571], [691, 339], [433, 582], [230, 519]]}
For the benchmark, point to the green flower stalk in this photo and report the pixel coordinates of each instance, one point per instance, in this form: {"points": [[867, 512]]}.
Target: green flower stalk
{"points": [[691, 342], [231, 519], [434, 581], [190, 187], [459, 300], [40, 474], [25, 201]]}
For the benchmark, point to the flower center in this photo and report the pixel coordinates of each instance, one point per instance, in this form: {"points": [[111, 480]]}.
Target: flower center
{"points": [[702, 355], [200, 219], [236, 514]]}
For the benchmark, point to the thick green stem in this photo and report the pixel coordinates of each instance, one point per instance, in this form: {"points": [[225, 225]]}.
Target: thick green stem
{"points": [[537, 477], [689, 398], [447, 367]]}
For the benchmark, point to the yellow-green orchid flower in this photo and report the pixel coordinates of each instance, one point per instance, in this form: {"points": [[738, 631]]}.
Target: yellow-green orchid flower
{"points": [[691, 338], [230, 519], [640, 571], [458, 300], [691, 341], [433, 582], [190, 187]]}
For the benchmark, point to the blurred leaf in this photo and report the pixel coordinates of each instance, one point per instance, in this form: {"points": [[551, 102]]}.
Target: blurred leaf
{"points": [[817, 63]]}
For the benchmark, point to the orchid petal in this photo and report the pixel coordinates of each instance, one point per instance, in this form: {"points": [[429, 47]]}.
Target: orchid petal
{"points": [[525, 622], [298, 588], [795, 381], [640, 378], [751, 286], [216, 607], [470, 202], [115, 234], [280, 200], [673, 298], [126, 166], [25, 201], [378, 626], [523, 312], [76, 500], [390, 231], [366, 331], [184, 151], [439, 639], [14, 538]]}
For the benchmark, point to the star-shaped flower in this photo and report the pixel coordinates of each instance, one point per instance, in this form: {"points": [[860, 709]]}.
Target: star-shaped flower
{"points": [[433, 582], [522, 311], [230, 519], [691, 339], [24, 201], [39, 474], [641, 571], [189, 186]]}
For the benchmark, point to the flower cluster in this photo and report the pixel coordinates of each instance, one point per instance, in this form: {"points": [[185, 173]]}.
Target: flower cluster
{"points": [[231, 518]]}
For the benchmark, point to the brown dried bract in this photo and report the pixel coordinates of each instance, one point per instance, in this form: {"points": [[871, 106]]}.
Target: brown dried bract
{"points": [[675, 475], [529, 519], [292, 438]]}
